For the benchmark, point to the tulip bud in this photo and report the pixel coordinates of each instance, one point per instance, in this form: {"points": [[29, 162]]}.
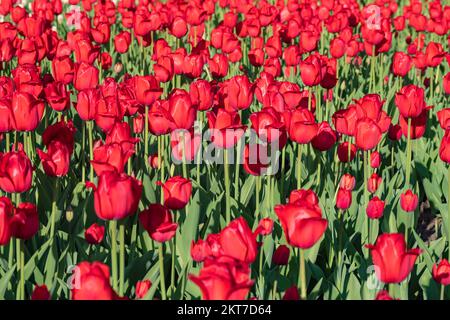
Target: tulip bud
{"points": [[142, 288], [281, 255], [375, 208], [343, 199], [409, 201], [94, 234], [441, 272]]}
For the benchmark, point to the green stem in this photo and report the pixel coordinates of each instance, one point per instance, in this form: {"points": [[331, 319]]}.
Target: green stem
{"points": [[283, 161], [20, 289], [174, 256], [162, 283], [91, 151], [408, 155], [257, 195], [299, 166], [302, 274], [113, 230], [146, 135], [122, 257], [227, 186], [83, 150], [442, 297]]}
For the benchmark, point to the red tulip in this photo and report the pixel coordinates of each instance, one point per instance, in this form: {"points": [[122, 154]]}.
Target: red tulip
{"points": [[157, 220], [94, 234], [444, 149], [446, 83], [122, 41], [177, 192], [410, 101], [87, 101], [418, 125], [142, 288], [6, 212], [291, 294], [93, 282], [441, 272], [304, 195], [181, 110], [223, 279], [281, 255], [111, 156], [27, 111], [401, 64], [444, 118], [409, 201], [393, 262], [147, 89], [25, 221], [368, 134], [238, 242], [57, 96], [347, 182], [373, 182], [343, 199], [239, 93], [383, 295], [56, 161], [201, 94], [325, 137], [343, 151], [16, 171], [40, 293], [85, 76], [117, 195], [302, 223], [375, 208], [302, 126], [200, 250], [312, 70], [226, 128], [375, 159], [256, 159]]}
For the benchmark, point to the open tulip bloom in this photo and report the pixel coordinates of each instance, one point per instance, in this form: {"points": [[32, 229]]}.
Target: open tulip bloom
{"points": [[222, 150]]}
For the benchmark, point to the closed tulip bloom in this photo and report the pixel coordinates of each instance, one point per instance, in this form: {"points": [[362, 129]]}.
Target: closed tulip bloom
{"points": [[373, 183], [164, 69], [110, 157], [304, 195], [85, 76], [147, 89], [201, 93], [368, 134], [40, 293], [177, 192], [383, 295], [57, 96], [93, 282], [302, 223], [337, 48], [393, 262], [94, 234], [441, 272], [325, 138], [6, 212], [223, 279], [401, 64], [157, 220], [237, 241], [122, 41], [87, 101], [434, 54], [218, 65], [16, 171], [444, 148], [56, 160], [268, 126], [410, 101], [291, 294], [375, 159], [347, 182], [25, 221], [395, 132], [302, 126], [226, 128], [200, 250], [343, 199], [239, 93], [117, 196], [142, 288], [281, 255], [446, 83], [343, 151], [409, 201], [345, 121], [63, 69], [256, 159], [375, 208], [160, 121], [179, 27], [312, 70], [444, 118], [27, 111], [182, 111]]}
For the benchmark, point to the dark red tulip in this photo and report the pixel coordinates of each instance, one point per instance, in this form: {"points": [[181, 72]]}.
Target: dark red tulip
{"points": [[94, 234], [281, 255], [6, 213], [25, 221], [40, 293], [325, 137], [157, 220]]}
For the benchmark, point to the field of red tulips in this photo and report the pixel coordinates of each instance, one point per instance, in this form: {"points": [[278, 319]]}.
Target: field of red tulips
{"points": [[224, 149]]}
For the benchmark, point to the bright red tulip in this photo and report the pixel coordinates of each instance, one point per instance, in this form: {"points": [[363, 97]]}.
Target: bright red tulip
{"points": [[409, 201], [94, 234], [177, 192], [157, 220]]}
